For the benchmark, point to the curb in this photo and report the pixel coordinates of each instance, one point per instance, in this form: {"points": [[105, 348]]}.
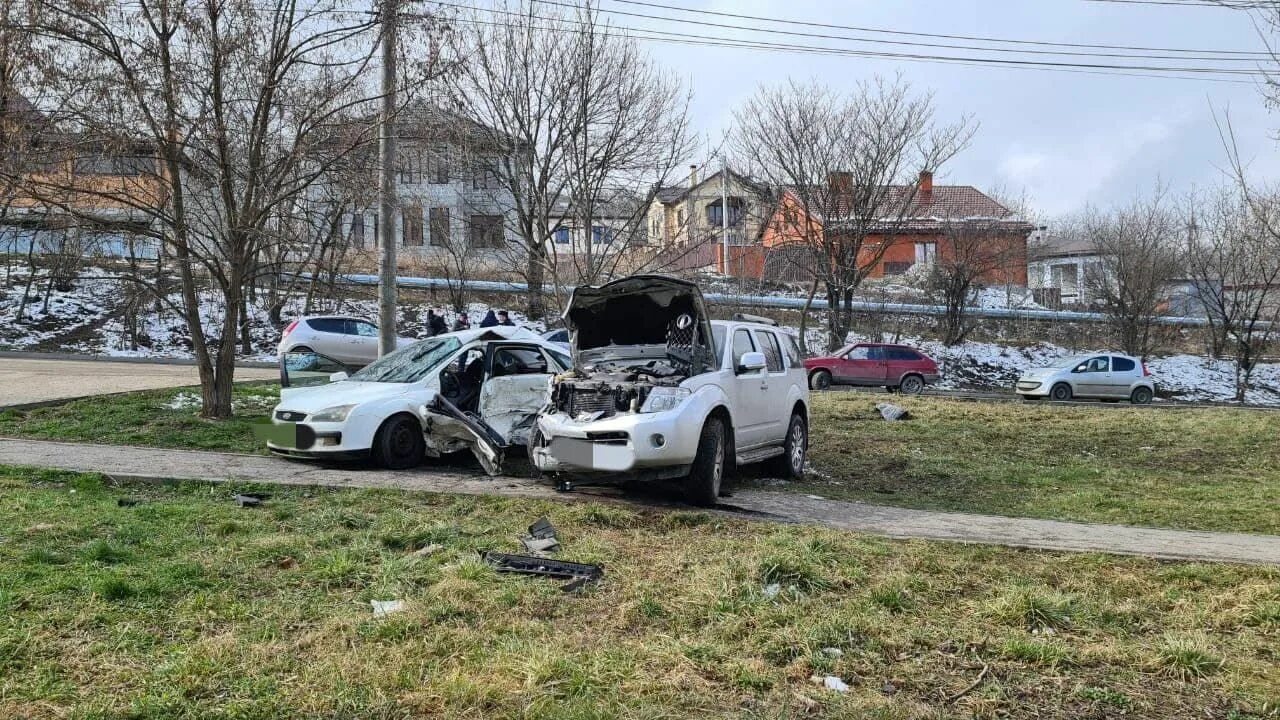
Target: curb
{"points": [[25, 355]]}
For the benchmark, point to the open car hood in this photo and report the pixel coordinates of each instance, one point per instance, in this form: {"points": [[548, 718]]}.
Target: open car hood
{"points": [[639, 310]]}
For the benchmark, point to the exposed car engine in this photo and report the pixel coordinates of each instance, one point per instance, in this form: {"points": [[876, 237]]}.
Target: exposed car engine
{"points": [[608, 388]]}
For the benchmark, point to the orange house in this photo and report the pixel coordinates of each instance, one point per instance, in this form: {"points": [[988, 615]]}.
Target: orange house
{"points": [[936, 223]]}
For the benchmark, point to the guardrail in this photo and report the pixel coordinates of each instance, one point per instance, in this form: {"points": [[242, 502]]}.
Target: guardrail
{"points": [[783, 302]]}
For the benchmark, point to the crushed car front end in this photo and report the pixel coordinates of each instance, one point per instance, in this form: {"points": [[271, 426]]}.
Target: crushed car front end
{"points": [[634, 402]]}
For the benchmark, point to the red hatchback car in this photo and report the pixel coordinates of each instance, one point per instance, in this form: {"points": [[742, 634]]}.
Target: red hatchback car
{"points": [[873, 364]]}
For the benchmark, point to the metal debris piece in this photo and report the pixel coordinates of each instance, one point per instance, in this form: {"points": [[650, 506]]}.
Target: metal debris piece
{"points": [[892, 412], [831, 682], [247, 500], [541, 537], [579, 573], [382, 608]]}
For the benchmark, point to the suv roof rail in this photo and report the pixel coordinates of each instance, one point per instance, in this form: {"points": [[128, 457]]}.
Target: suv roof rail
{"points": [[744, 317]]}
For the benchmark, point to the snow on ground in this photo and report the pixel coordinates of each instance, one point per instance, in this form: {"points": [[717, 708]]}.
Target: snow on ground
{"points": [[69, 312]]}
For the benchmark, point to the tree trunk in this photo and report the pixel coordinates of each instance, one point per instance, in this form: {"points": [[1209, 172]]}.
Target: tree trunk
{"points": [[246, 338], [804, 317], [536, 305]]}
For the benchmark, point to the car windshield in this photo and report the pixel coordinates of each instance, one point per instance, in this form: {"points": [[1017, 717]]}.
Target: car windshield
{"points": [[409, 364], [1068, 362]]}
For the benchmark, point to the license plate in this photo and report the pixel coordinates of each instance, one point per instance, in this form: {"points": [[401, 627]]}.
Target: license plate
{"points": [[589, 455], [286, 434]]}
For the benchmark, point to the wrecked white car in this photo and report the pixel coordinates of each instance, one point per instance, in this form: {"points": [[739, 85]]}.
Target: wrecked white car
{"points": [[477, 390], [658, 391]]}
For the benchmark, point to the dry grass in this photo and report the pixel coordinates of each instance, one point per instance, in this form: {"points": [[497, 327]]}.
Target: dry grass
{"points": [[1204, 469], [184, 606]]}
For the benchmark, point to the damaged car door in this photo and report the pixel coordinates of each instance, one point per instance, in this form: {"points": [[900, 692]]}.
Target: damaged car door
{"points": [[515, 386]]}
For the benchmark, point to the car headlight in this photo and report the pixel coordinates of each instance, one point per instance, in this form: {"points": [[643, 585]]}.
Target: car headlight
{"points": [[662, 399], [337, 413]]}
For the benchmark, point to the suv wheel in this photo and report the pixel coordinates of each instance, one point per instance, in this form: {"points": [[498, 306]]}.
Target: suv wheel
{"points": [[790, 464], [1060, 392], [703, 487], [820, 380], [911, 385], [399, 444], [1140, 396]]}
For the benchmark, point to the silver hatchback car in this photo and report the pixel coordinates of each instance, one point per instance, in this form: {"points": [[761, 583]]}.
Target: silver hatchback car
{"points": [[1104, 376]]}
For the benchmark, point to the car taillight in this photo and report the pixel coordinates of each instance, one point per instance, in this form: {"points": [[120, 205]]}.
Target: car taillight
{"points": [[1145, 371], [289, 328]]}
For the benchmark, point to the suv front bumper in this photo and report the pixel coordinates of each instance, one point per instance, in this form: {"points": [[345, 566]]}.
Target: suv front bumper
{"points": [[629, 443]]}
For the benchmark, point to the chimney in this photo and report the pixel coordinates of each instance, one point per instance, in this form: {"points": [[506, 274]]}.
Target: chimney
{"points": [[693, 176], [841, 183], [925, 193]]}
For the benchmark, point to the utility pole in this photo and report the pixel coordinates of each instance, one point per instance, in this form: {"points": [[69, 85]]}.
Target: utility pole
{"points": [[724, 213], [387, 185]]}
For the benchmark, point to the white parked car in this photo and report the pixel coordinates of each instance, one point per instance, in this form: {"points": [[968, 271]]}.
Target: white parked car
{"points": [[660, 392], [345, 339], [1106, 376], [430, 398]]}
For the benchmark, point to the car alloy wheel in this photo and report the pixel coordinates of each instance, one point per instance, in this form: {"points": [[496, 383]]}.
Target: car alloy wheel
{"points": [[1061, 392], [798, 441], [1140, 396], [912, 385], [821, 380]]}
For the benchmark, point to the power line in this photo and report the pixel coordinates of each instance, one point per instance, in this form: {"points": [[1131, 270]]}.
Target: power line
{"points": [[713, 41], [1260, 55], [1223, 5]]}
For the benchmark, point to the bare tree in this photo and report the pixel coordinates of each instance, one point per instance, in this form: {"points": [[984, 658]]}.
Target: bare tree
{"points": [[578, 110], [1233, 259], [972, 252], [214, 108], [1137, 258], [847, 166]]}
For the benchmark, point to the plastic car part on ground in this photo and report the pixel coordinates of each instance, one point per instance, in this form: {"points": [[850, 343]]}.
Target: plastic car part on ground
{"points": [[578, 574], [892, 412]]}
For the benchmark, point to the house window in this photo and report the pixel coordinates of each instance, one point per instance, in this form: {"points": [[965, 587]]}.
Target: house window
{"points": [[715, 216], [440, 226], [484, 174], [486, 231], [409, 166], [926, 253], [655, 227], [561, 236], [680, 217], [601, 234], [437, 168], [1065, 277], [376, 239], [411, 220], [896, 268], [357, 231]]}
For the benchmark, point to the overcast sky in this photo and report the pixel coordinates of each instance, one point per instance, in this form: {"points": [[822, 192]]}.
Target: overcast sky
{"points": [[1065, 139]]}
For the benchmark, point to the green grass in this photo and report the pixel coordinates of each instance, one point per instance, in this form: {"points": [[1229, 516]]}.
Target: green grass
{"points": [[146, 418], [1203, 469], [185, 606]]}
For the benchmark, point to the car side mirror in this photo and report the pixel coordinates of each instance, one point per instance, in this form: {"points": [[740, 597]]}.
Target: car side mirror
{"points": [[751, 362], [338, 377], [1080, 368]]}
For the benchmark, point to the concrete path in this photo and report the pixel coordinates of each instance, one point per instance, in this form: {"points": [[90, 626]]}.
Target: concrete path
{"points": [[26, 381], [125, 462]]}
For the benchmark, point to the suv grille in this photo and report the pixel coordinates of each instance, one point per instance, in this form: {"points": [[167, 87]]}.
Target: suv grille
{"points": [[591, 401], [290, 416]]}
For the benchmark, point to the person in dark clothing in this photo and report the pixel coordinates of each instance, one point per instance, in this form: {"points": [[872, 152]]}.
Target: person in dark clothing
{"points": [[437, 324], [504, 319], [489, 320], [462, 322]]}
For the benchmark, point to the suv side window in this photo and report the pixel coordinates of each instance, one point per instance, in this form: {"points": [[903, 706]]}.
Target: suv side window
{"points": [[792, 350], [1120, 364], [772, 352], [329, 325], [741, 346]]}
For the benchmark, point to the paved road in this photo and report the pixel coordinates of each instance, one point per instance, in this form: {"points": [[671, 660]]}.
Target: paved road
{"points": [[28, 380], [155, 464]]}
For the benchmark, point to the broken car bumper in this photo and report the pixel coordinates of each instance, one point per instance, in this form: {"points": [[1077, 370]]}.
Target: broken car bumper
{"points": [[622, 444]]}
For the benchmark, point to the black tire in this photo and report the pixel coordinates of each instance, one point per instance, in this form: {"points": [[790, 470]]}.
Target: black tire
{"points": [[398, 444], [1141, 396], [1060, 392], [820, 380], [707, 473], [911, 385], [790, 464]]}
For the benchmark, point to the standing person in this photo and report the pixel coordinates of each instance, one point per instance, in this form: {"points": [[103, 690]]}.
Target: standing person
{"points": [[489, 320], [504, 319], [462, 322], [438, 326]]}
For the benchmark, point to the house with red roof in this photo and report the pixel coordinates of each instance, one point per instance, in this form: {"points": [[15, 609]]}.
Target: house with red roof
{"points": [[921, 225]]}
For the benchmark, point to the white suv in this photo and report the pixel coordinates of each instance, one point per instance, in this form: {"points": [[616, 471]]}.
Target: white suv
{"points": [[659, 392]]}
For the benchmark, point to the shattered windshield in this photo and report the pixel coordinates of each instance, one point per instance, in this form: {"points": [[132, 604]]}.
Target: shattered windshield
{"points": [[409, 364]]}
